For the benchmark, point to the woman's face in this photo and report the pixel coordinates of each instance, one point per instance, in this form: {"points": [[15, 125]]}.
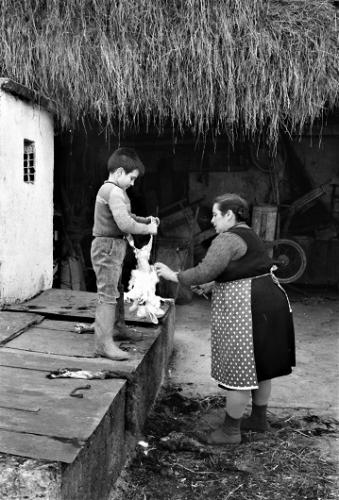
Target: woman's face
{"points": [[222, 222]]}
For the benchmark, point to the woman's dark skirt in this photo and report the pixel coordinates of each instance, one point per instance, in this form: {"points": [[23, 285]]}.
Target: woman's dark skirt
{"points": [[273, 330]]}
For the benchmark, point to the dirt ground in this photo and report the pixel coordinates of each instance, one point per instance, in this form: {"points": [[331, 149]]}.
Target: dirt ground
{"points": [[313, 384], [298, 459]]}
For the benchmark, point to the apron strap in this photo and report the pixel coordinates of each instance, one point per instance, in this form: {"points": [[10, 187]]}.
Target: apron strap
{"points": [[276, 281]]}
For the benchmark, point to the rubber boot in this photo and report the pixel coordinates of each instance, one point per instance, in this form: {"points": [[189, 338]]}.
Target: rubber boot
{"points": [[257, 421], [121, 330], [227, 433], [103, 331]]}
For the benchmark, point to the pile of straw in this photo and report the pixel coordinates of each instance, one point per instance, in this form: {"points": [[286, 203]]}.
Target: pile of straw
{"points": [[208, 65], [289, 462]]}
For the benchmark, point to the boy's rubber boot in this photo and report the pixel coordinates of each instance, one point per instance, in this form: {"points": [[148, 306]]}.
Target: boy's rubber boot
{"points": [[124, 332], [103, 331], [121, 330], [227, 433], [257, 421]]}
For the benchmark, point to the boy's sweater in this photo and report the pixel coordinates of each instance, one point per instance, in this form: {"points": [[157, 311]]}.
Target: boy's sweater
{"points": [[112, 214]]}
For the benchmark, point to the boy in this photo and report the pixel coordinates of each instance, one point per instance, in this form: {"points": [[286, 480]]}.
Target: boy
{"points": [[113, 220]]}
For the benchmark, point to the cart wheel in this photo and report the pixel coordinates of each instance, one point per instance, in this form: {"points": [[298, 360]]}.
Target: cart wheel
{"points": [[290, 259]]}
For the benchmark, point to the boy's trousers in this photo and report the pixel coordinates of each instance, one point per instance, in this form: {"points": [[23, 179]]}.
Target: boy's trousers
{"points": [[107, 255]]}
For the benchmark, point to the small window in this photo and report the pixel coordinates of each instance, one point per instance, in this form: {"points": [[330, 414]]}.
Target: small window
{"points": [[29, 161]]}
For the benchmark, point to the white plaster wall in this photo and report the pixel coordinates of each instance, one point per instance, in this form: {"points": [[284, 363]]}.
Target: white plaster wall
{"points": [[26, 210]]}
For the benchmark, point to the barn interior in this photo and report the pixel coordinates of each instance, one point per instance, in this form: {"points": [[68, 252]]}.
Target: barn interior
{"points": [[293, 194]]}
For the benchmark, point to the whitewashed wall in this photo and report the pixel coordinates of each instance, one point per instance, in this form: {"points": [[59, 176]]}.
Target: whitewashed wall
{"points": [[26, 210]]}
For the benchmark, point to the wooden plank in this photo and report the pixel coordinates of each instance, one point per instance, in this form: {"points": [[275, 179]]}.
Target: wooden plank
{"points": [[59, 342], [67, 343], [59, 324], [38, 447], [73, 304], [13, 323], [13, 401], [46, 408], [49, 362], [60, 302]]}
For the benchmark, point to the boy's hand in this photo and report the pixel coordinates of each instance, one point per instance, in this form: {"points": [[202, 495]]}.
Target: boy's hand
{"points": [[152, 228], [154, 219]]}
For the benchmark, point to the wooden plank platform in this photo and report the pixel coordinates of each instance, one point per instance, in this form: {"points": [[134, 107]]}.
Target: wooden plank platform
{"points": [[29, 400], [71, 303], [12, 324], [88, 439], [59, 302], [33, 405]]}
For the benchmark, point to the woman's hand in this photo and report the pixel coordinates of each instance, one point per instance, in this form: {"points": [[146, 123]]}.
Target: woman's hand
{"points": [[203, 289], [165, 272], [207, 287]]}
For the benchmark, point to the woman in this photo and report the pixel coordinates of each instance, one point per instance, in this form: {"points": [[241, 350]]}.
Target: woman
{"points": [[251, 319]]}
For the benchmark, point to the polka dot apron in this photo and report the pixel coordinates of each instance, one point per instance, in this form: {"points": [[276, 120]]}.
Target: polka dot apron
{"points": [[233, 364]]}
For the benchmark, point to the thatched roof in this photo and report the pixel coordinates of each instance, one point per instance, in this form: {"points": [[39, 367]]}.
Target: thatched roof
{"points": [[210, 65]]}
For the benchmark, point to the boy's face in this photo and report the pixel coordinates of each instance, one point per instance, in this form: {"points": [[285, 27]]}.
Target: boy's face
{"points": [[127, 180]]}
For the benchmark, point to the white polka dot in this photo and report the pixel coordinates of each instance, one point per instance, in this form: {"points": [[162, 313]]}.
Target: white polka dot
{"points": [[232, 343]]}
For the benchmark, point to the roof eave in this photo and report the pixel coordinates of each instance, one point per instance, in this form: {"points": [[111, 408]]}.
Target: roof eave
{"points": [[26, 94]]}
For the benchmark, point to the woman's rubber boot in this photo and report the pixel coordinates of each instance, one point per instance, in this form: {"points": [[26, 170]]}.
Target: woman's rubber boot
{"points": [[227, 433], [103, 331], [257, 421], [121, 330]]}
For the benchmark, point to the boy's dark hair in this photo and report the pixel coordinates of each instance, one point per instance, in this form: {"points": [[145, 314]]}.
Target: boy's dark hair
{"points": [[126, 158], [234, 202]]}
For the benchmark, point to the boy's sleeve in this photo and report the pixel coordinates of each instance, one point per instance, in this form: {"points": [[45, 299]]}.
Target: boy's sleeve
{"points": [[144, 220], [122, 216]]}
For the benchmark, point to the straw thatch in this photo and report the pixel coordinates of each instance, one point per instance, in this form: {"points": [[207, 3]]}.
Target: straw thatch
{"points": [[210, 65]]}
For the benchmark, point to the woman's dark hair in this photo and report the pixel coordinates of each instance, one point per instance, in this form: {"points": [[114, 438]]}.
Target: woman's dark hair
{"points": [[234, 202], [126, 158]]}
